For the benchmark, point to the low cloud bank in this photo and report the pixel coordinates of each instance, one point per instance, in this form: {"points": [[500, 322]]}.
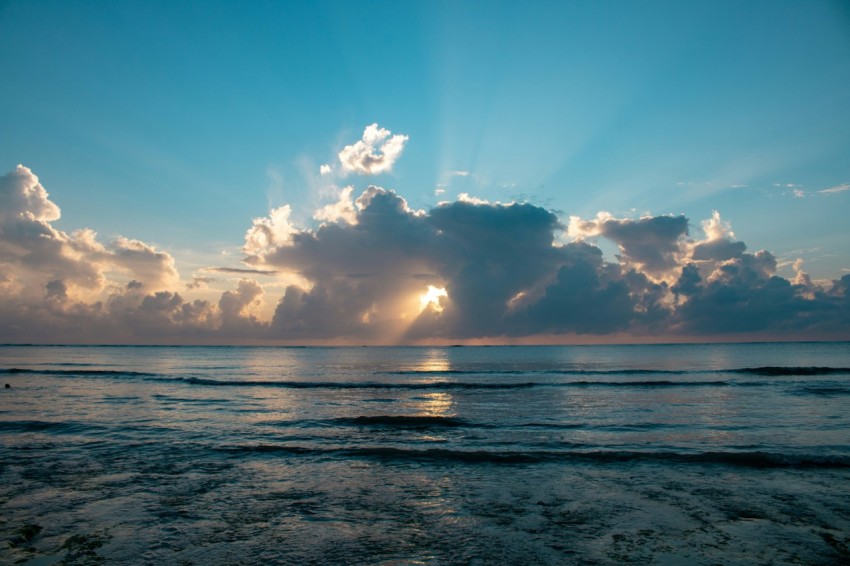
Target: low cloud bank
{"points": [[367, 268]]}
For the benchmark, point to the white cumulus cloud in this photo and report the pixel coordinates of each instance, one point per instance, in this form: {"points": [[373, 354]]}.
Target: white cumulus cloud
{"points": [[340, 211], [269, 232], [374, 153]]}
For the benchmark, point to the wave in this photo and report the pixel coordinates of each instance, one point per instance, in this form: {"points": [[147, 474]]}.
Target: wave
{"points": [[823, 391], [356, 384], [388, 421], [453, 372], [531, 371], [753, 459], [78, 372], [48, 426], [444, 385], [433, 421], [374, 385], [773, 371], [429, 385], [763, 371], [795, 370], [652, 383], [405, 421]]}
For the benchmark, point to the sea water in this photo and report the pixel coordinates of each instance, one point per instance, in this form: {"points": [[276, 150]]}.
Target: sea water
{"points": [[685, 454]]}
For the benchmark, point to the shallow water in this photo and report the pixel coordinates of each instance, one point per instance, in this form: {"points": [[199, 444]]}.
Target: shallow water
{"points": [[666, 454]]}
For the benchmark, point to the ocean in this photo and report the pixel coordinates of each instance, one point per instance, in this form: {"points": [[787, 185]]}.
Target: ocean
{"points": [[662, 454]]}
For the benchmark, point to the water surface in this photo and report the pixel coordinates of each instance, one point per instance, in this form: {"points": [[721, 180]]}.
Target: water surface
{"points": [[597, 454]]}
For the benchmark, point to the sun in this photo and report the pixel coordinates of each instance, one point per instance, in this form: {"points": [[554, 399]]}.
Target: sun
{"points": [[431, 298]]}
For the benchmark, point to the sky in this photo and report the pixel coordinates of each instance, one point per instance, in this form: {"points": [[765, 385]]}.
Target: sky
{"points": [[424, 172]]}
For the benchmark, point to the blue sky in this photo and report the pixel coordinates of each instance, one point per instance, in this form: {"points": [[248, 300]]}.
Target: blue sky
{"points": [[177, 124]]}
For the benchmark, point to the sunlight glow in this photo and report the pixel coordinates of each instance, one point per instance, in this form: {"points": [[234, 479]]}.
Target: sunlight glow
{"points": [[431, 298]]}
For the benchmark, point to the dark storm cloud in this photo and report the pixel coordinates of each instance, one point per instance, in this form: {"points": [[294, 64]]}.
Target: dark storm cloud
{"points": [[652, 244], [368, 274], [376, 274], [505, 275], [743, 296], [587, 296]]}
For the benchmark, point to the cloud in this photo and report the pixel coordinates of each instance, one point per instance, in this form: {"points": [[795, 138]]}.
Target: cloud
{"points": [[240, 270], [199, 282], [504, 276], [343, 210], [649, 244], [270, 232], [366, 263], [39, 253], [23, 198], [465, 197], [744, 295], [836, 189], [586, 296], [374, 153], [61, 287], [237, 307], [143, 262], [719, 243], [325, 169]]}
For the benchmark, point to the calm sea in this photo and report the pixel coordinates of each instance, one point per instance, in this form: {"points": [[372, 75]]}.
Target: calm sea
{"points": [[683, 454]]}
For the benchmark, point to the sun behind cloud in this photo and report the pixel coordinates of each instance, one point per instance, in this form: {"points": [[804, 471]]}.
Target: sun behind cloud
{"points": [[431, 298]]}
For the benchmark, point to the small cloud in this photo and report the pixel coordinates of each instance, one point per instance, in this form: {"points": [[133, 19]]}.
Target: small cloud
{"points": [[464, 197], [798, 193], [459, 173], [738, 186], [836, 189], [199, 282], [325, 169], [375, 153], [240, 270], [438, 191]]}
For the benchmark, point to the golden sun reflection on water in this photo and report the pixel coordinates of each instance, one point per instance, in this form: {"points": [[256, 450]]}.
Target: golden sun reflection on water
{"points": [[435, 404], [435, 360]]}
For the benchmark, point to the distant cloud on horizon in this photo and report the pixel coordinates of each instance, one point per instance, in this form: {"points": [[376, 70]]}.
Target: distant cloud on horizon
{"points": [[366, 265], [244, 271]]}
